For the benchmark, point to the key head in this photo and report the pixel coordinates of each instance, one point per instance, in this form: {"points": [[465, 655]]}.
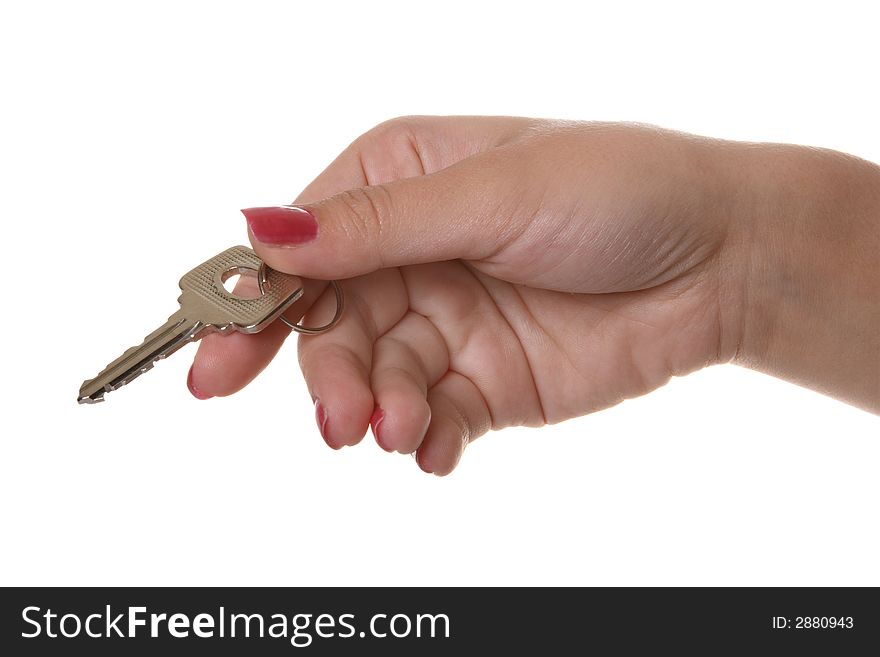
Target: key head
{"points": [[205, 299]]}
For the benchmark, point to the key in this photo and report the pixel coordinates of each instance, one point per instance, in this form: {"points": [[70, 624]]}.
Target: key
{"points": [[205, 307]]}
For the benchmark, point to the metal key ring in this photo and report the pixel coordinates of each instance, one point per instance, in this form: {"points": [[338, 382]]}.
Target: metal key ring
{"points": [[262, 279]]}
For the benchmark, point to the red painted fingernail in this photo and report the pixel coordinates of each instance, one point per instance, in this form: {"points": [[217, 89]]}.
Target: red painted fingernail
{"points": [[375, 420], [321, 419], [195, 391], [281, 225]]}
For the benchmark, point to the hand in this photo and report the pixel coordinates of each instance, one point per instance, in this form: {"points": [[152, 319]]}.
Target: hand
{"points": [[506, 271]]}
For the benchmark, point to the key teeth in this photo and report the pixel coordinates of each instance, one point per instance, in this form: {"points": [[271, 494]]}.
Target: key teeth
{"points": [[98, 396]]}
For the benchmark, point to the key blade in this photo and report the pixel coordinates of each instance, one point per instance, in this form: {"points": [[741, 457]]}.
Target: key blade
{"points": [[161, 343]]}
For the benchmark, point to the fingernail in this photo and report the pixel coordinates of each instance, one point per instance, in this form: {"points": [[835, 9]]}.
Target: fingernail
{"points": [[281, 225], [375, 420], [321, 419], [195, 391]]}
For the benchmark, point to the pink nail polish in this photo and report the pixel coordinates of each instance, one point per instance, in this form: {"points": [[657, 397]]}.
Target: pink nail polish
{"points": [[321, 419], [195, 391], [375, 420], [282, 225]]}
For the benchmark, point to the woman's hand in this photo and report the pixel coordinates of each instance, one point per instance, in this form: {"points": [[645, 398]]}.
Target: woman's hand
{"points": [[506, 271]]}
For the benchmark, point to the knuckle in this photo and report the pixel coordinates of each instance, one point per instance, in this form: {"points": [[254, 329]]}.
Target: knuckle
{"points": [[394, 129], [361, 213], [396, 140], [392, 150], [366, 213], [390, 136]]}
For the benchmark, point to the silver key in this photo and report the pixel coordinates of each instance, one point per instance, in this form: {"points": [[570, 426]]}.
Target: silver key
{"points": [[205, 307]]}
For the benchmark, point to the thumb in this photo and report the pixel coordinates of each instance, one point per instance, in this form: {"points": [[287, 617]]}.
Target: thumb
{"points": [[465, 211]]}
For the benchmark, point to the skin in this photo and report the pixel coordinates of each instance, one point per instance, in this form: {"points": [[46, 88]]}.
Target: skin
{"points": [[507, 271]]}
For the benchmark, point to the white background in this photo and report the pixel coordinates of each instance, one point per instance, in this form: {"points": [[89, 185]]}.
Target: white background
{"points": [[132, 134]]}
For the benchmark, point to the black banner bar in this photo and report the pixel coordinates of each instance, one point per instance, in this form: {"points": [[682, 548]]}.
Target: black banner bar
{"points": [[407, 621]]}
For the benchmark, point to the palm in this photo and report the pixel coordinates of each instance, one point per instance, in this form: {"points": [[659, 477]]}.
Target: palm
{"points": [[486, 353]]}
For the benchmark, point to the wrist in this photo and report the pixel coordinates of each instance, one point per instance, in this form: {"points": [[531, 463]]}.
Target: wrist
{"points": [[809, 285]]}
